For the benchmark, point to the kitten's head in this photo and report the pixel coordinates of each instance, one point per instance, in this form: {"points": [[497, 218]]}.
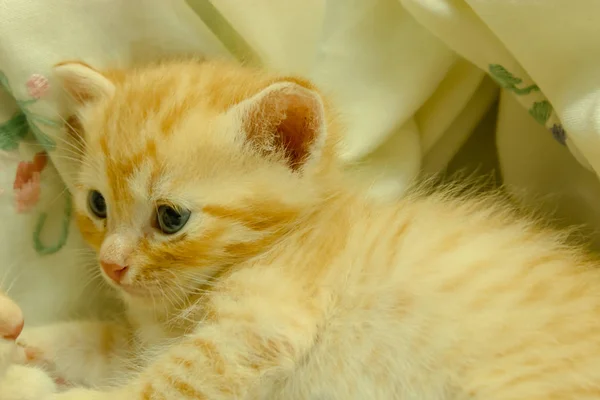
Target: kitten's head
{"points": [[188, 168]]}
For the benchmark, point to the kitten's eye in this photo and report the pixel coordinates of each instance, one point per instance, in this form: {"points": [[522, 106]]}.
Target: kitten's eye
{"points": [[171, 220], [97, 204]]}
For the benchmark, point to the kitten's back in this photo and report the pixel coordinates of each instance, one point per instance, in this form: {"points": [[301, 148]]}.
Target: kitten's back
{"points": [[457, 298]]}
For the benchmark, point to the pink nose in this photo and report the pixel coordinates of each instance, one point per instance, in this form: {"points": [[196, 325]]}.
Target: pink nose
{"points": [[14, 332], [114, 271]]}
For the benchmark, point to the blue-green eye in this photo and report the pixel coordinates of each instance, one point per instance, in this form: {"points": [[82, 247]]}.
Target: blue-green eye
{"points": [[97, 204], [170, 220]]}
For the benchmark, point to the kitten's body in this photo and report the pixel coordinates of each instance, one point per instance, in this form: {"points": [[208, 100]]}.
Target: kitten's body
{"points": [[288, 283]]}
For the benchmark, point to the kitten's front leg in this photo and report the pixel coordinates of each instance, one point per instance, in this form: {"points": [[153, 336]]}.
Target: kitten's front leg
{"points": [[257, 329], [78, 352]]}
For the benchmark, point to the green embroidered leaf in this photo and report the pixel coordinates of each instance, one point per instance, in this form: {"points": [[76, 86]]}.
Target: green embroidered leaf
{"points": [[12, 131], [503, 77], [508, 81], [541, 111]]}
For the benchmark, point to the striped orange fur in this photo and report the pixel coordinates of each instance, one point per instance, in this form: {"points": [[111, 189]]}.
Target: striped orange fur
{"points": [[287, 282]]}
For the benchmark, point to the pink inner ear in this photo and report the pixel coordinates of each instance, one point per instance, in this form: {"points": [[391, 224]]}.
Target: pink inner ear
{"points": [[286, 120]]}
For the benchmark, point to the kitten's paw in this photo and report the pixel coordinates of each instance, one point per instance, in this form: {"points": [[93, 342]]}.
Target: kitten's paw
{"points": [[36, 349], [10, 354], [26, 383], [11, 324], [11, 319]]}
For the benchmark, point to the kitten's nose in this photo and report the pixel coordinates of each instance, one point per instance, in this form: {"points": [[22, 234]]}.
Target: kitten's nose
{"points": [[114, 271]]}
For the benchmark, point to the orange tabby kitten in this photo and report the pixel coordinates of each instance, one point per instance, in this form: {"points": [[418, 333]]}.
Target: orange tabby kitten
{"points": [[252, 270]]}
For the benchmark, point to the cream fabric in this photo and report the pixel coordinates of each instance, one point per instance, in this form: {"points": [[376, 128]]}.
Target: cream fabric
{"points": [[398, 88], [545, 55]]}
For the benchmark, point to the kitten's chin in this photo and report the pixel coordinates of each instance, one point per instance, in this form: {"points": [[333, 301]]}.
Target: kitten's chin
{"points": [[133, 291]]}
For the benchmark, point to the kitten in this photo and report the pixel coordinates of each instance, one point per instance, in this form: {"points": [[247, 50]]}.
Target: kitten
{"points": [[252, 270]]}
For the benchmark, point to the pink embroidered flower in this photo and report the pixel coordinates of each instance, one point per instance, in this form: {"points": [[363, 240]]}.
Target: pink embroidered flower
{"points": [[27, 186], [29, 194], [37, 86]]}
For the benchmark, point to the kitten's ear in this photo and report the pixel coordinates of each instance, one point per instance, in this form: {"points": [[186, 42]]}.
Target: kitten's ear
{"points": [[82, 82], [285, 119]]}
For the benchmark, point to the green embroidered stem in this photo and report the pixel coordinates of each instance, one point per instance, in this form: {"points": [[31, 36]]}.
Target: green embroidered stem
{"points": [[64, 234], [508, 81], [47, 143], [25, 103], [541, 110], [33, 120], [526, 90]]}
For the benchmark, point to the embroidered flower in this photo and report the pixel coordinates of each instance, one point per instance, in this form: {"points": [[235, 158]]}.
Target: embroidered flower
{"points": [[27, 186], [16, 128], [37, 86], [559, 134], [28, 194]]}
